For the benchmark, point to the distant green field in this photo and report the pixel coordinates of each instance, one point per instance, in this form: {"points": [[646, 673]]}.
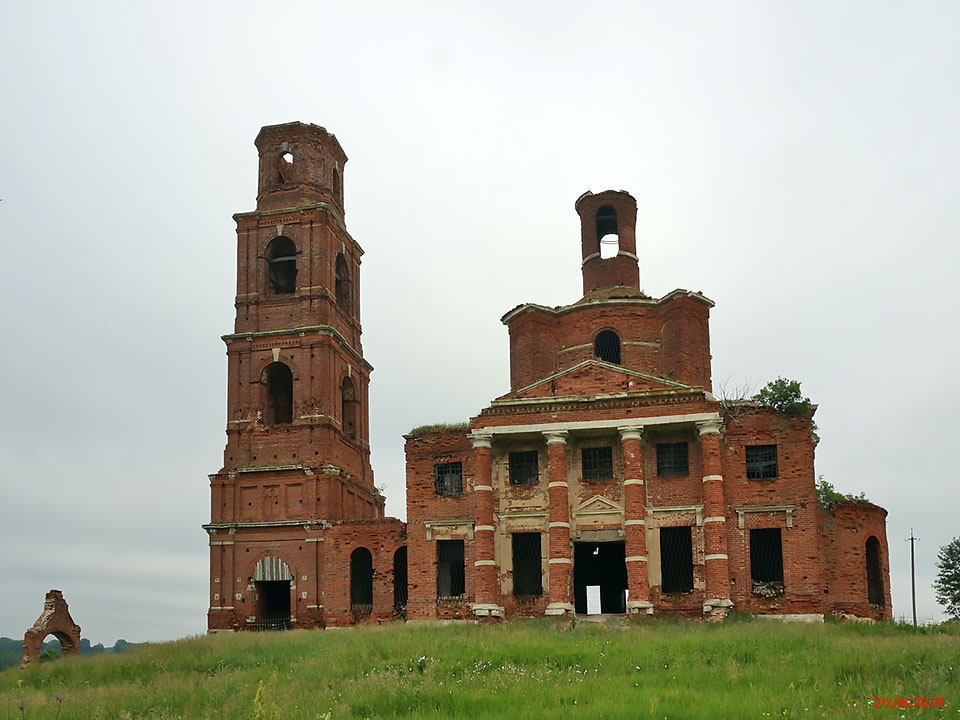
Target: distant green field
{"points": [[535, 669]]}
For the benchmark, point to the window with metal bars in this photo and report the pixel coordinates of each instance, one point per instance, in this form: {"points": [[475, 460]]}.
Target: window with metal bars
{"points": [[673, 459], [450, 569], [524, 468], [448, 478], [597, 463], [676, 559], [766, 555], [607, 347], [527, 564], [361, 582], [761, 461]]}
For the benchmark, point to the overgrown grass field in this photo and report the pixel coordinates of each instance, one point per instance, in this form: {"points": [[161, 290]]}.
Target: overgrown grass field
{"points": [[537, 669]]}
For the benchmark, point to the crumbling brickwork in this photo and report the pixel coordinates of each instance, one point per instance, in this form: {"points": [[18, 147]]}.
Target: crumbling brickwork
{"points": [[295, 497], [54, 620], [645, 487]]}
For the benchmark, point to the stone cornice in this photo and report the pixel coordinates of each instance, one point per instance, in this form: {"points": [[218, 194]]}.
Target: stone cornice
{"points": [[675, 295], [325, 207], [300, 332]]}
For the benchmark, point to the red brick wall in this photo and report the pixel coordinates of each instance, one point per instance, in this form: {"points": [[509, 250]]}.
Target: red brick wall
{"points": [[846, 529]]}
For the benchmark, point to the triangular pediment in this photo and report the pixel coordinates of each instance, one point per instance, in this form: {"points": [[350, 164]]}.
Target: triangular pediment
{"points": [[596, 505], [596, 377]]}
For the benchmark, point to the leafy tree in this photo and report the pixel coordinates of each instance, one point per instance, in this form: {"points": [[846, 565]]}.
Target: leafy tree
{"points": [[784, 395], [49, 654], [827, 495], [947, 584]]}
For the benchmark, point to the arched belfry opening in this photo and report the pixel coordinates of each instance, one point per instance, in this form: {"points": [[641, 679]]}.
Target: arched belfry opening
{"points": [[342, 283], [607, 346], [278, 384], [874, 572], [608, 238], [336, 184], [348, 407], [281, 266], [285, 167], [271, 579], [361, 582]]}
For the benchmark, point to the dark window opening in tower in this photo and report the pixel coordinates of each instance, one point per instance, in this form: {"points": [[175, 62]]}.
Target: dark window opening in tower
{"points": [[361, 582], [400, 579], [342, 283], [336, 184], [608, 239], [676, 559], [874, 573], [766, 562], [278, 381], [450, 574], [284, 167], [607, 347], [348, 408], [282, 266]]}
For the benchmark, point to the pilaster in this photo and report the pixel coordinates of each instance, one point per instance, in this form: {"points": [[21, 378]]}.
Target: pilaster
{"points": [[717, 564], [560, 560], [634, 524]]}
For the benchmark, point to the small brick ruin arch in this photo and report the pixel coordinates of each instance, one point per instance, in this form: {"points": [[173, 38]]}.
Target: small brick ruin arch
{"points": [[54, 620]]}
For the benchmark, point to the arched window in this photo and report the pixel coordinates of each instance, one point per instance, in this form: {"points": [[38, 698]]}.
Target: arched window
{"points": [[607, 347], [348, 408], [278, 381], [336, 184], [874, 572], [282, 266], [400, 579], [361, 582], [608, 240], [342, 282]]}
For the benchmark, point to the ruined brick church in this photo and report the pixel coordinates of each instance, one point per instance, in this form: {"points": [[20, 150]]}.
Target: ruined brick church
{"points": [[608, 480]]}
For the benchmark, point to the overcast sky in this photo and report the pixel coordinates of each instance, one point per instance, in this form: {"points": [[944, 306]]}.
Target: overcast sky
{"points": [[795, 162]]}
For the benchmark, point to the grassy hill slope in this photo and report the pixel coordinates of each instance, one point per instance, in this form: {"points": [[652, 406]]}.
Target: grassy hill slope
{"points": [[536, 669]]}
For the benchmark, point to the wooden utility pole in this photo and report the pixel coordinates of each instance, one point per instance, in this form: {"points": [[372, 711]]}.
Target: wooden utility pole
{"points": [[913, 578]]}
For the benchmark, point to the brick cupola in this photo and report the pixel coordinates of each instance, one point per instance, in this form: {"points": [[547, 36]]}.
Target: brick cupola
{"points": [[608, 220]]}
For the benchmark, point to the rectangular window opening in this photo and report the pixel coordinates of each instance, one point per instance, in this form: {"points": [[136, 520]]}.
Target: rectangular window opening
{"points": [[673, 459], [527, 564], [524, 468], [761, 461], [676, 559], [448, 478], [450, 569], [766, 562], [597, 464]]}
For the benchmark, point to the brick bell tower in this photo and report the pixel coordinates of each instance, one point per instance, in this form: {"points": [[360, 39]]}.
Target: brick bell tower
{"points": [[297, 455]]}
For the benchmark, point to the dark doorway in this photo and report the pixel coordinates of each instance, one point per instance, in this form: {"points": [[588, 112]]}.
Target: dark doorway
{"points": [[603, 564], [400, 579], [273, 604], [450, 575], [874, 572], [676, 559]]}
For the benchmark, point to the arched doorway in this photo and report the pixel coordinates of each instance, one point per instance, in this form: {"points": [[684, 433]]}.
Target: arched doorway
{"points": [[272, 578]]}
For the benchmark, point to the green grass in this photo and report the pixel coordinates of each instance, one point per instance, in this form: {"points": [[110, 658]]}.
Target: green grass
{"points": [[535, 669], [437, 426]]}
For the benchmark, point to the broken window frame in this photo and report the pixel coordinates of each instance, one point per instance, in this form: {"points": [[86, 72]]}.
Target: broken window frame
{"points": [[451, 581], [673, 459], [606, 346], [281, 266], [527, 555], [766, 561], [524, 467], [761, 462], [597, 463], [676, 559], [448, 478]]}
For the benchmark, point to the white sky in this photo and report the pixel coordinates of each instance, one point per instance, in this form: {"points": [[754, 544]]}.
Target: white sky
{"points": [[796, 162]]}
